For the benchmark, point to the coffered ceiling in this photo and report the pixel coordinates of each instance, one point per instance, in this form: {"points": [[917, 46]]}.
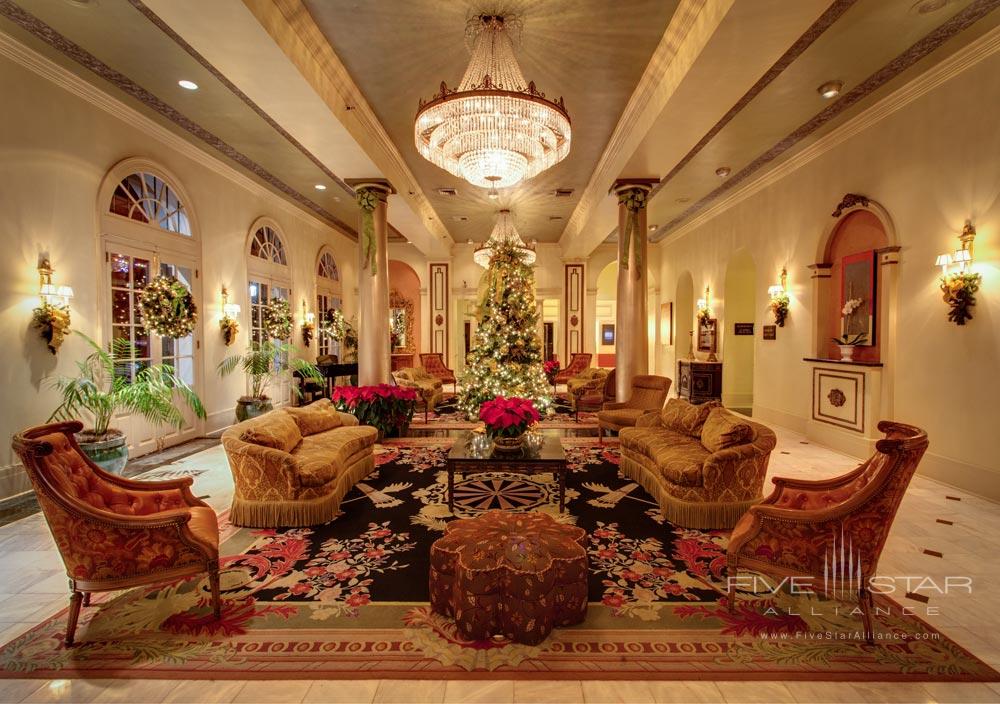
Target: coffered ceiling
{"points": [[296, 93]]}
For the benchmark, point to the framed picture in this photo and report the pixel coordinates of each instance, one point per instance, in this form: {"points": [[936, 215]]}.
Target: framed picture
{"points": [[707, 333], [857, 287], [608, 334]]}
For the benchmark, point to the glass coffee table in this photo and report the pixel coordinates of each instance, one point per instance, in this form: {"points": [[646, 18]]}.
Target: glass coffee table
{"points": [[550, 457]]}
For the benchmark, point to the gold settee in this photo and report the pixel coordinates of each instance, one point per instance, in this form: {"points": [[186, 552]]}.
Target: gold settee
{"points": [[703, 464], [292, 466], [428, 386]]}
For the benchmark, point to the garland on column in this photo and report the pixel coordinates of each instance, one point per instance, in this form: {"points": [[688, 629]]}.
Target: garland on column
{"points": [[634, 200], [368, 201]]}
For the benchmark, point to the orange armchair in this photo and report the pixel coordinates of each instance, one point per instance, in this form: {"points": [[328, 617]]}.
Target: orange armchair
{"points": [[830, 531], [115, 533], [578, 361], [433, 364]]}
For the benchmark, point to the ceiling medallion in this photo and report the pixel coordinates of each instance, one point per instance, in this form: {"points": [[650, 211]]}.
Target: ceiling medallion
{"points": [[504, 232], [495, 129]]}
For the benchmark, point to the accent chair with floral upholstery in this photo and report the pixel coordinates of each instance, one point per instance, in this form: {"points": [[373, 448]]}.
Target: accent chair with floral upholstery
{"points": [[704, 465], [433, 364], [593, 394], [292, 466], [115, 533], [578, 361], [648, 394], [830, 530], [427, 385]]}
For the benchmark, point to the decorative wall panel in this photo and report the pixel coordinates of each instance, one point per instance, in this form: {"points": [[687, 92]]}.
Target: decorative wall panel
{"points": [[575, 292], [439, 309], [839, 398]]}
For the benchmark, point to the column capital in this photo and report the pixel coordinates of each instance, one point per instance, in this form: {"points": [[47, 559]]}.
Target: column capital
{"points": [[627, 184], [380, 186]]}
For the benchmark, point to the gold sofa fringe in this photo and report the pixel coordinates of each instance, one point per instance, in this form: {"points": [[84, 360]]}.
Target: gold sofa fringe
{"points": [[705, 516]]}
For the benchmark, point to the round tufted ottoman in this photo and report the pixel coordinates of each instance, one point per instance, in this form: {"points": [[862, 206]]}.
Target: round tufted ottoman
{"points": [[516, 574]]}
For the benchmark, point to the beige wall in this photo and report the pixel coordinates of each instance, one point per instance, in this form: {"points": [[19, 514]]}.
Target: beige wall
{"points": [[931, 164], [55, 152]]}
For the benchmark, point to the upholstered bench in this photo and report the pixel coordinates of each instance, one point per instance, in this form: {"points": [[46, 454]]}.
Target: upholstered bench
{"points": [[511, 574]]}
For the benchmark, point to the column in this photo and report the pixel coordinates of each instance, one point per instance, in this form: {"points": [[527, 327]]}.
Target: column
{"points": [[373, 281], [572, 313], [631, 333], [440, 312]]}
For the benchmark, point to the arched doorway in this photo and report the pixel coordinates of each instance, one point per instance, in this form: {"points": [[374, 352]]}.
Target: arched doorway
{"points": [[738, 306], [404, 305], [604, 321]]}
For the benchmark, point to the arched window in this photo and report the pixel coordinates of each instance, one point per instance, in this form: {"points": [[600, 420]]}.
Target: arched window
{"points": [[327, 268], [328, 297], [267, 245], [147, 198]]}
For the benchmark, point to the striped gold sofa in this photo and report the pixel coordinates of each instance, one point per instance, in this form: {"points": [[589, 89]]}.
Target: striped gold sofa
{"points": [[703, 464], [292, 466]]}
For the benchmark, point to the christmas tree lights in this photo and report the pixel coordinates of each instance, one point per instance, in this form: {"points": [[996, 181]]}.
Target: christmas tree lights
{"points": [[507, 357]]}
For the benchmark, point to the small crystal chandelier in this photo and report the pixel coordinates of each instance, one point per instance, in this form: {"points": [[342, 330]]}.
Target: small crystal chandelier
{"points": [[504, 232], [495, 129]]}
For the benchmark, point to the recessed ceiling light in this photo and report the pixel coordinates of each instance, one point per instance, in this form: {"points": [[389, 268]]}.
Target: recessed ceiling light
{"points": [[683, 199], [830, 89], [188, 85], [320, 187], [652, 228], [723, 171], [925, 7]]}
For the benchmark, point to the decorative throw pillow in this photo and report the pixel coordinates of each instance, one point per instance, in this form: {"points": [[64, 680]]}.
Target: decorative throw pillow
{"points": [[315, 418], [722, 429], [277, 430], [684, 417]]}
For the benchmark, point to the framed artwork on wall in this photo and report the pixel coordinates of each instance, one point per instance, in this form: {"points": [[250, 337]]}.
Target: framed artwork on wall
{"points": [[857, 292], [608, 334], [707, 335]]}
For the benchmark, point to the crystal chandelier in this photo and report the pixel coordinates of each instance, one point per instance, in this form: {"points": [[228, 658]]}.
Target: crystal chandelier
{"points": [[495, 129], [504, 232]]}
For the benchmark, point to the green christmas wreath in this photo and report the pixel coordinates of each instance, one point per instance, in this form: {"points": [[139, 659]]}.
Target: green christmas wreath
{"points": [[276, 319], [168, 307]]}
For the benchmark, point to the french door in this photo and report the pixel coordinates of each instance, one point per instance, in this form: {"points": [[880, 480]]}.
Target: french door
{"points": [[128, 271], [326, 345], [279, 388]]}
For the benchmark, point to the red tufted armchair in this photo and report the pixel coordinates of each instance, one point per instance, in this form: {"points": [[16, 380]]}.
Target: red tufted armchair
{"points": [[433, 364], [831, 531], [115, 533], [578, 361]]}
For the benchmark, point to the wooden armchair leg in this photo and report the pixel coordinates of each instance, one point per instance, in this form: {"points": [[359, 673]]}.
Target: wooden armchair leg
{"points": [[75, 601], [213, 581], [86, 598]]}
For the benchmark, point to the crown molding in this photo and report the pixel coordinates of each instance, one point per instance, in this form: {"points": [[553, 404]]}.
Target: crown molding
{"points": [[687, 33], [31, 60], [292, 28], [966, 57]]}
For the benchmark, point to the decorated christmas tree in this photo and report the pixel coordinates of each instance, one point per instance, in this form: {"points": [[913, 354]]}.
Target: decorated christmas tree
{"points": [[507, 357]]}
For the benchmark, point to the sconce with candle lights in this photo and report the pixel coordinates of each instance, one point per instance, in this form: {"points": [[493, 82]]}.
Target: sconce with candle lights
{"points": [[308, 325], [51, 317], [778, 294], [959, 286], [704, 306], [229, 324]]}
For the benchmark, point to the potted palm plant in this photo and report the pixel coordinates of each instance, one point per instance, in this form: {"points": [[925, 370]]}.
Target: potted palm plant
{"points": [[101, 389], [261, 363]]}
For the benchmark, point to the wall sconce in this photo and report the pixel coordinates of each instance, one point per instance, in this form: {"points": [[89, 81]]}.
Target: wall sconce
{"points": [[705, 306], [779, 299], [51, 317], [308, 325], [229, 325], [959, 287]]}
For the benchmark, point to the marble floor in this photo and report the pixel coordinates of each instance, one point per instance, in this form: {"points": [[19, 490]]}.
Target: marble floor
{"points": [[939, 532]]}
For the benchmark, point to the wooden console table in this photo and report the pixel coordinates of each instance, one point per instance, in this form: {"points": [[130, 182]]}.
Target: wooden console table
{"points": [[699, 381]]}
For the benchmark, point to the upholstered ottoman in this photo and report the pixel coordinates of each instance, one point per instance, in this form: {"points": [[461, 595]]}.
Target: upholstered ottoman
{"points": [[515, 574]]}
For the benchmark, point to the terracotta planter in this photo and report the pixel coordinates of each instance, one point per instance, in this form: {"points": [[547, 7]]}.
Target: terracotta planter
{"points": [[247, 408], [110, 453]]}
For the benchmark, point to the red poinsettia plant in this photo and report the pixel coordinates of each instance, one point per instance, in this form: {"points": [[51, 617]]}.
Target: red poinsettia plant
{"points": [[508, 417], [385, 407], [551, 368]]}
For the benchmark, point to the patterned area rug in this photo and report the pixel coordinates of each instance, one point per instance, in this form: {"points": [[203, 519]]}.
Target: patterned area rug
{"points": [[349, 599]]}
